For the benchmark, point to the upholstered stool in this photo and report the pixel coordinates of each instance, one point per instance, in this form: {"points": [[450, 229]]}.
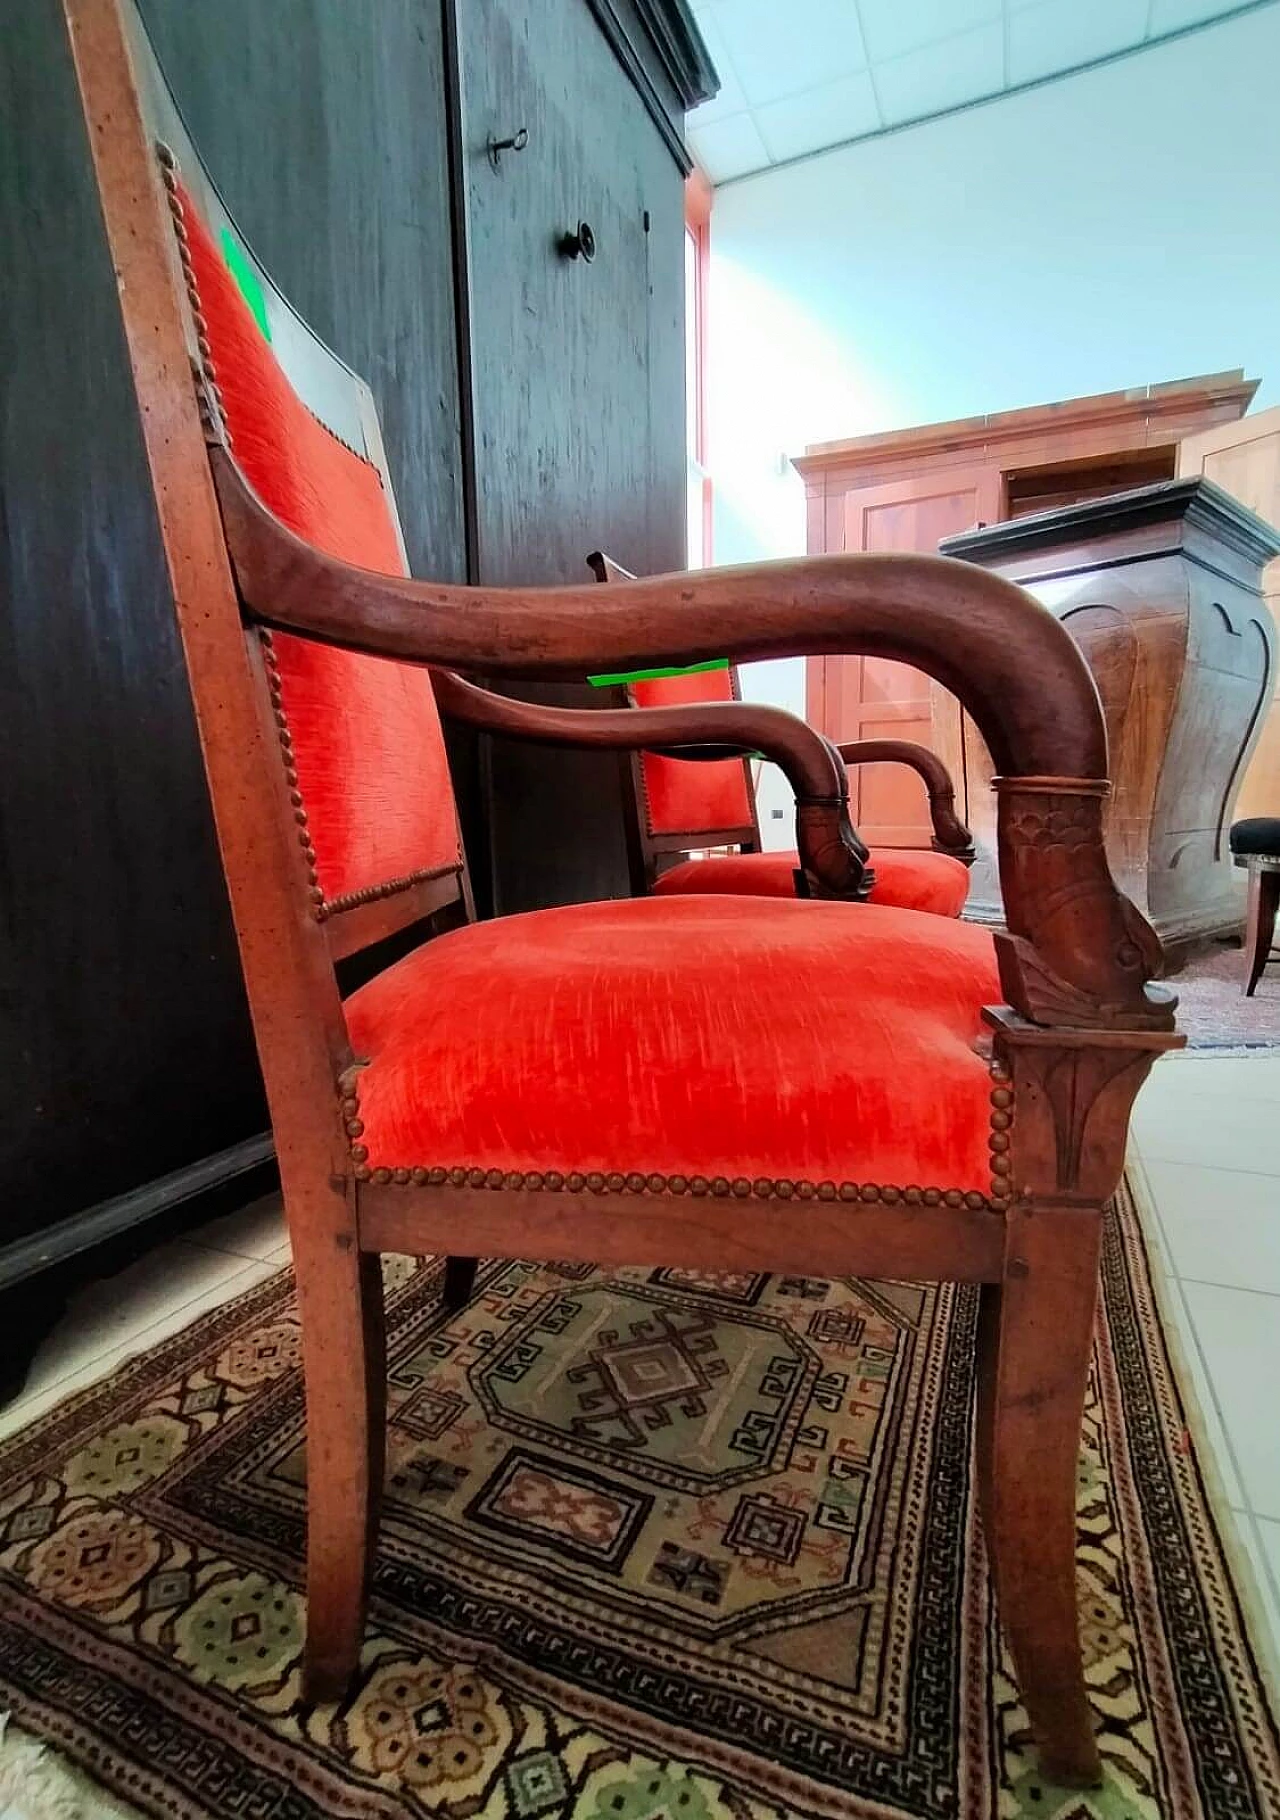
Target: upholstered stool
{"points": [[1255, 843]]}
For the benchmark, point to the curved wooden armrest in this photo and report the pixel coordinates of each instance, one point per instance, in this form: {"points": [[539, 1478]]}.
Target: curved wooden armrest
{"points": [[1076, 953], [832, 857], [950, 834]]}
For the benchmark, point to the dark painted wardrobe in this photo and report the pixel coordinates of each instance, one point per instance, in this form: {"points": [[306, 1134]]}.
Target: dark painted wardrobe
{"points": [[533, 408]]}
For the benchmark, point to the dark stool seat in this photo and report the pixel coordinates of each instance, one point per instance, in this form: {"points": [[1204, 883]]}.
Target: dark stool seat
{"points": [[1257, 834], [1255, 843]]}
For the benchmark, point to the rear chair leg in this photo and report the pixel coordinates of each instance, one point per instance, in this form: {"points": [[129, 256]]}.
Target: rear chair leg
{"points": [[459, 1282], [1035, 1339], [344, 1351], [1260, 925]]}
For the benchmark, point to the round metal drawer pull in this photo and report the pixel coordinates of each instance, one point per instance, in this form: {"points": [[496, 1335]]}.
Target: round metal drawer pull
{"points": [[579, 243]]}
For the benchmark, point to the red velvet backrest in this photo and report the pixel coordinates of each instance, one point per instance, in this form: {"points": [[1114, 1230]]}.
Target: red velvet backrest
{"points": [[363, 733], [682, 797]]}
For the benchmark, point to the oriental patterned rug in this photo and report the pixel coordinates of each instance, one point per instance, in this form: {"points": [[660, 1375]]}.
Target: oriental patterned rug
{"points": [[657, 1546]]}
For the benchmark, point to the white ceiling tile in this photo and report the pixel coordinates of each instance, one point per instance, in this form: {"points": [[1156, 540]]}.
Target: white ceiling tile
{"points": [[1061, 34], [730, 99], [780, 47], [893, 27], [728, 148], [794, 73], [1172, 15], [823, 116], [941, 75]]}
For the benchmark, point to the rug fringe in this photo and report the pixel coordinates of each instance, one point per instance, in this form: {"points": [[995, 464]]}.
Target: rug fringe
{"points": [[37, 1784]]}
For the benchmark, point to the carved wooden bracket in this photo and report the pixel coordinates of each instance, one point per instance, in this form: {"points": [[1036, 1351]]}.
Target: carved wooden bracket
{"points": [[1072, 1094]]}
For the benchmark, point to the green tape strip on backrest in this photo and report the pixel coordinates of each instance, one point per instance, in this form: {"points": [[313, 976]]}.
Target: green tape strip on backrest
{"points": [[241, 269], [633, 676]]}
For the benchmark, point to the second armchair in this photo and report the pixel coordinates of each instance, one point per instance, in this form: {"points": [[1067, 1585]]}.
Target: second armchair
{"points": [[682, 807]]}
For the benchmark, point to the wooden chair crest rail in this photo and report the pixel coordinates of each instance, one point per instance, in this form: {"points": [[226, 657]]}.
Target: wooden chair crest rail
{"points": [[675, 812], [706, 1082]]}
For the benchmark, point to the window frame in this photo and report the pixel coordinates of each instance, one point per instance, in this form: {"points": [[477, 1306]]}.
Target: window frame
{"points": [[698, 196]]}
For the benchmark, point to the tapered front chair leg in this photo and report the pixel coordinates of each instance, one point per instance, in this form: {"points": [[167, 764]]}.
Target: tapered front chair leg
{"points": [[1036, 1335], [344, 1356]]}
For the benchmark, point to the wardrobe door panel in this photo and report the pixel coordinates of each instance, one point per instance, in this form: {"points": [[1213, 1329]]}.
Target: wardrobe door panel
{"points": [[127, 1051], [578, 382]]}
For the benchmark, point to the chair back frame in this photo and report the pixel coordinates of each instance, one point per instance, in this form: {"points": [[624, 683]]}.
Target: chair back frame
{"points": [[650, 852], [288, 952]]}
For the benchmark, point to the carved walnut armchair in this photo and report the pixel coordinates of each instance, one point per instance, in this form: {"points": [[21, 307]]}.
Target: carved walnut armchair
{"points": [[727, 1084], [677, 808]]}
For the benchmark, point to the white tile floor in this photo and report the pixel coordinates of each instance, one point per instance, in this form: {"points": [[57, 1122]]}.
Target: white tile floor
{"points": [[1206, 1143], [154, 1297]]}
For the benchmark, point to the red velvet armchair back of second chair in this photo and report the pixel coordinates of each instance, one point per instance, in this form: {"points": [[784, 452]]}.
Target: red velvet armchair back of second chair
{"points": [[713, 799]]}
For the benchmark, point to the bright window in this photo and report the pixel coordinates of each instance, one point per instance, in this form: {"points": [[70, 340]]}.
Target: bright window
{"points": [[697, 238]]}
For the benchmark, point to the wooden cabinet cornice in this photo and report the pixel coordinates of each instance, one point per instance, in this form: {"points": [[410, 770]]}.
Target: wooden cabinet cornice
{"points": [[1162, 588], [1075, 430]]}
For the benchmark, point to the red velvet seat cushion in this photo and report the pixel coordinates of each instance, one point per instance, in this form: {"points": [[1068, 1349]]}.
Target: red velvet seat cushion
{"points": [[686, 1035], [905, 878]]}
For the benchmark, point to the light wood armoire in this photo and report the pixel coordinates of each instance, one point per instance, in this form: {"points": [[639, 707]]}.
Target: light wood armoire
{"points": [[909, 489]]}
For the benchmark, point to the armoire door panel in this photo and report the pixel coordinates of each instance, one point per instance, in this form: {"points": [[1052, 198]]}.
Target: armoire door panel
{"points": [[873, 698], [127, 1051], [128, 1075], [577, 379]]}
